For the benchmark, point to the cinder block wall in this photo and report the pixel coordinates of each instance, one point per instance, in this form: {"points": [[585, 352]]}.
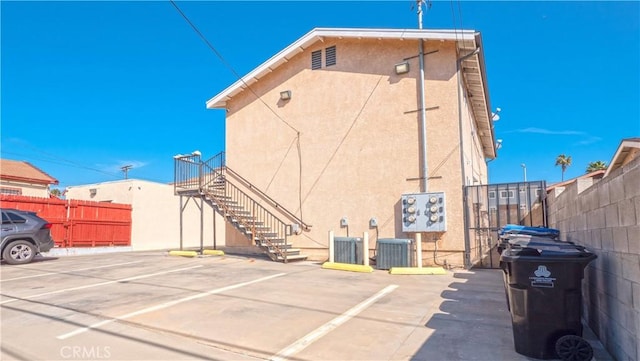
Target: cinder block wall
{"points": [[605, 217]]}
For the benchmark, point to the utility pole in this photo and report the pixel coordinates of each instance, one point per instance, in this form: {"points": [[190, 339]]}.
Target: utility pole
{"points": [[524, 169], [125, 170], [423, 110]]}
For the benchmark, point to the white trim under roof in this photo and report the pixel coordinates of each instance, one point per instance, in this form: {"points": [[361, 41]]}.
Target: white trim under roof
{"points": [[468, 40], [629, 147]]}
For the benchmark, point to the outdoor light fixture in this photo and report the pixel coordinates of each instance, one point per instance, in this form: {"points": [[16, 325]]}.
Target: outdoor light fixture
{"points": [[402, 68], [285, 95], [495, 116]]}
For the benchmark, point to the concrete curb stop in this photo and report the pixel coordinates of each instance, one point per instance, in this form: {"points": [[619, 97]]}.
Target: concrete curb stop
{"points": [[347, 267], [183, 253], [213, 252]]}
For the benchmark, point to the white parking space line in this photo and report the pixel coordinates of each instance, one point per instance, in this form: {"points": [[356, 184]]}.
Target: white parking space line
{"points": [[164, 305], [67, 271], [321, 331], [95, 285]]}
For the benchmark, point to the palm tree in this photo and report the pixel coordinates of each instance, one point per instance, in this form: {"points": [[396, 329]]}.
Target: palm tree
{"points": [[563, 161], [597, 165]]}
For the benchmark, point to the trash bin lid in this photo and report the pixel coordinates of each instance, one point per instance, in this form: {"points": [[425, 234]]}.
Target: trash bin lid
{"points": [[535, 231], [558, 251], [523, 240]]}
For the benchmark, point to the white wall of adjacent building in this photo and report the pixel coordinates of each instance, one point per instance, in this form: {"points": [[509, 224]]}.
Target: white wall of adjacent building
{"points": [[156, 214]]}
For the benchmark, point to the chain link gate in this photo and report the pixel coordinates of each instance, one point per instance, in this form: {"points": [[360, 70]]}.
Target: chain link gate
{"points": [[490, 207]]}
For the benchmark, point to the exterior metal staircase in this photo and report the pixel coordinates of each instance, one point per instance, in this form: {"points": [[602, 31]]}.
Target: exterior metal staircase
{"points": [[251, 211]]}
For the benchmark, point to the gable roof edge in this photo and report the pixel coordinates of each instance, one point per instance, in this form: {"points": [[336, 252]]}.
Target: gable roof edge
{"points": [[219, 100]]}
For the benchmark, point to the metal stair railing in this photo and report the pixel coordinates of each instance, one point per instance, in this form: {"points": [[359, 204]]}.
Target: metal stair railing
{"points": [[269, 200], [263, 226], [210, 179]]}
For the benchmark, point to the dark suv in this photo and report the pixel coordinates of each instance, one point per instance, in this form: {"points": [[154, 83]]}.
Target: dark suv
{"points": [[23, 235]]}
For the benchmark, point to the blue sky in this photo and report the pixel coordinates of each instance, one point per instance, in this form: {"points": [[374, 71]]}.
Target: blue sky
{"points": [[88, 87]]}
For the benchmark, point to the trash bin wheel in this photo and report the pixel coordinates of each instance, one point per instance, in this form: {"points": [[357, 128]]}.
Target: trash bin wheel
{"points": [[573, 348]]}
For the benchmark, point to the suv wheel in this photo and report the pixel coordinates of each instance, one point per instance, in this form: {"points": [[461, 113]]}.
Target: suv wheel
{"points": [[18, 252]]}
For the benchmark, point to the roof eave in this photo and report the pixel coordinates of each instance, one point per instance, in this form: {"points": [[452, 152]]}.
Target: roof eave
{"points": [[219, 101], [472, 67], [29, 180], [626, 146], [483, 70]]}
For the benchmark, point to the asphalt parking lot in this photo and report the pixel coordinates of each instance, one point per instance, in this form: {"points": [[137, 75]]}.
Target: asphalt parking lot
{"points": [[151, 306]]}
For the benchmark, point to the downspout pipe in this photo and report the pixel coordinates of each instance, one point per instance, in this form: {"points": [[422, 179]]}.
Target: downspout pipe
{"points": [[467, 241]]}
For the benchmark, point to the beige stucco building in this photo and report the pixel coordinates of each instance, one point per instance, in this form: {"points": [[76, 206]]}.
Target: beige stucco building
{"points": [[155, 216], [329, 129]]}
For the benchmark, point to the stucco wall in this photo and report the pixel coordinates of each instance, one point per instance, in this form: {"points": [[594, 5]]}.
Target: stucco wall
{"points": [[605, 218], [28, 189], [358, 147], [156, 214]]}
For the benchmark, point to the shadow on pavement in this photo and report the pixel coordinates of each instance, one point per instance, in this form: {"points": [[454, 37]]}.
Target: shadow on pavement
{"points": [[473, 323]]}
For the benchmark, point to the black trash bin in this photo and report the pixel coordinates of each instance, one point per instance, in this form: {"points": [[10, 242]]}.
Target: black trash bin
{"points": [[543, 281]]}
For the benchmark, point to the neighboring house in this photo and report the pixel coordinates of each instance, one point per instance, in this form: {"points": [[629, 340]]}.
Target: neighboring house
{"points": [[627, 151], [22, 178], [155, 217], [330, 128], [584, 181]]}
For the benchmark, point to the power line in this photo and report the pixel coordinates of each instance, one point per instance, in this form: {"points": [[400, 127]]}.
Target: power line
{"points": [[64, 162], [222, 59], [230, 68], [68, 163]]}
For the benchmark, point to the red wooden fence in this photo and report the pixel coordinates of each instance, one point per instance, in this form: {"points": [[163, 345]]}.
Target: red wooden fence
{"points": [[78, 223]]}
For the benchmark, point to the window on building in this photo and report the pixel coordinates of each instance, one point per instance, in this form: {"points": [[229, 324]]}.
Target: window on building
{"points": [[316, 59], [492, 194], [506, 194], [330, 56], [11, 191]]}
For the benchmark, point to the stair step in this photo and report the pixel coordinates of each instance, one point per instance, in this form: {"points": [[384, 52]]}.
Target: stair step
{"points": [[233, 206], [268, 234], [289, 251], [227, 200], [221, 197], [257, 227], [281, 246], [240, 212], [299, 257], [233, 219]]}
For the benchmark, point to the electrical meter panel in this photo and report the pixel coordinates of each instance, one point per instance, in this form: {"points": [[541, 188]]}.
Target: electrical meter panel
{"points": [[424, 212]]}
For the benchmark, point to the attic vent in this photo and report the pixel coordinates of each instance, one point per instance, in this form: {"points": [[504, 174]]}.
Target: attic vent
{"points": [[331, 56], [316, 59]]}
